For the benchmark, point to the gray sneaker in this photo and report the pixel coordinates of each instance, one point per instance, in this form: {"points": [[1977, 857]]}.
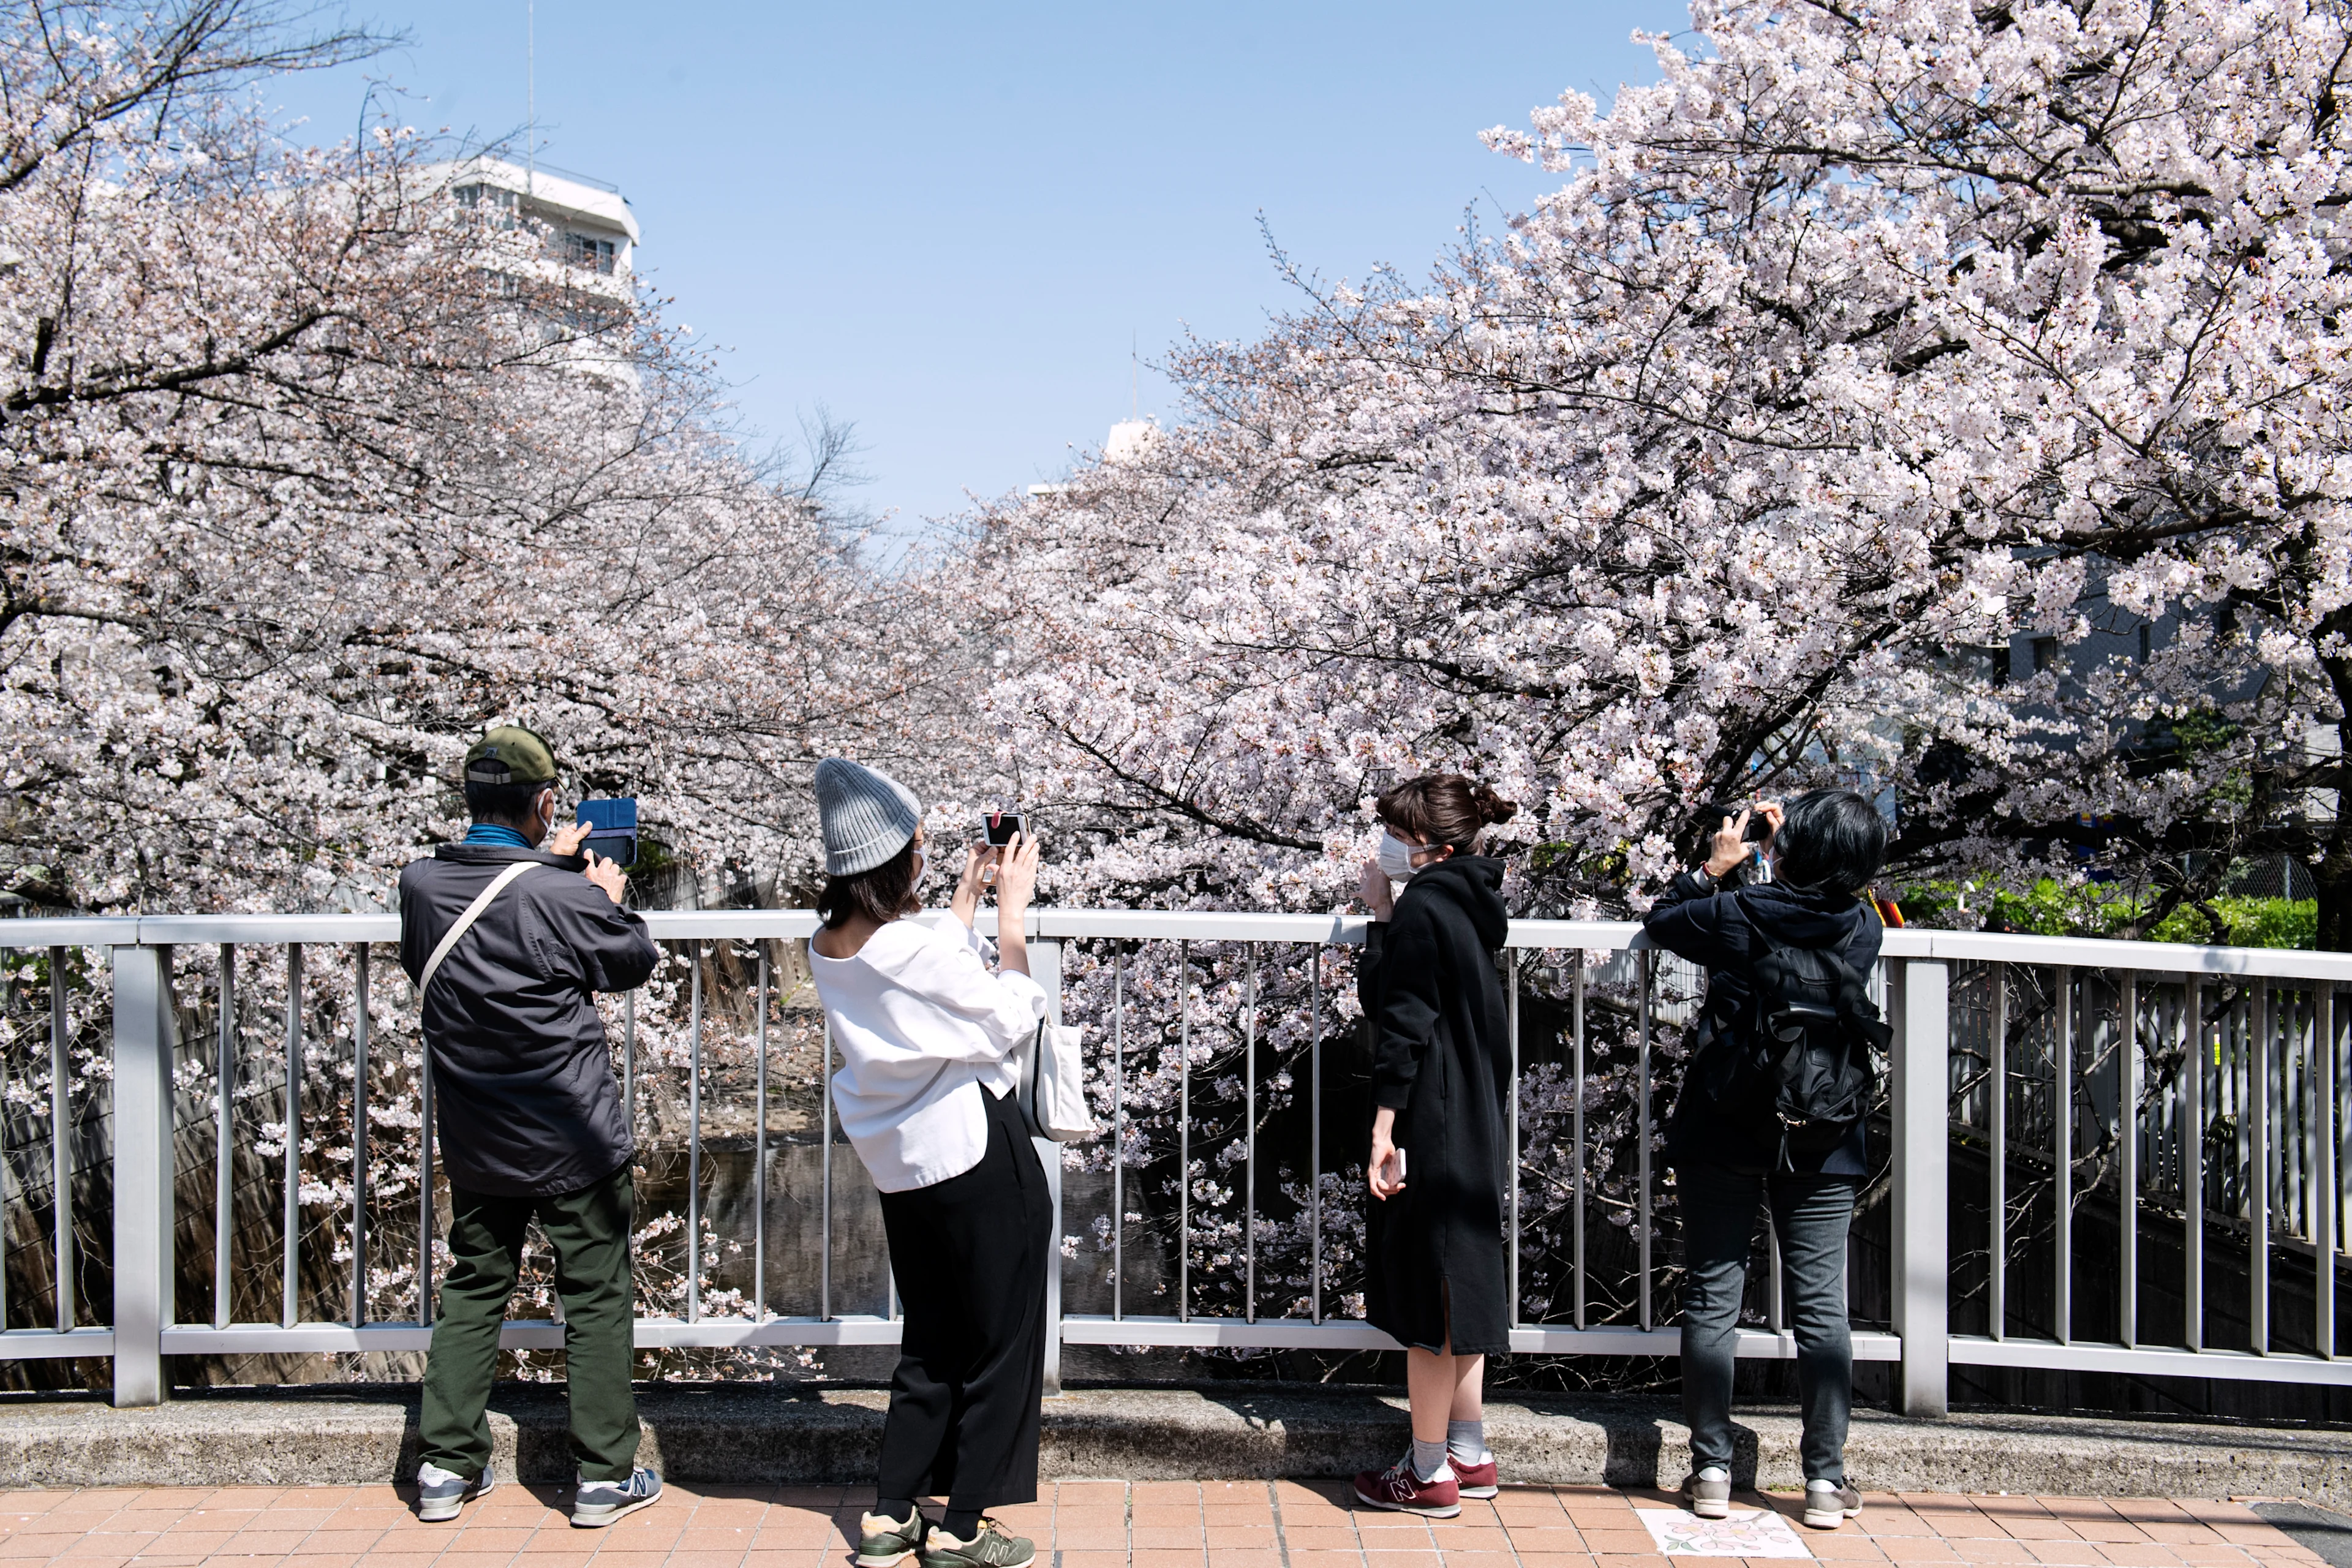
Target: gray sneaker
{"points": [[1709, 1492], [884, 1543], [441, 1493], [599, 1503], [1829, 1504], [991, 1546]]}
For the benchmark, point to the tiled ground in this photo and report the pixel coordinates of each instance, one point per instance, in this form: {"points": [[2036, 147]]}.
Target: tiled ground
{"points": [[1088, 1524]]}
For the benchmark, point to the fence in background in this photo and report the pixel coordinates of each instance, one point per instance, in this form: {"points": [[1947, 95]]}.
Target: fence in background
{"points": [[2110, 1096]]}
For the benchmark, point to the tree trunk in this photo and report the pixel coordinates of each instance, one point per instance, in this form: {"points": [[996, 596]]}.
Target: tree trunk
{"points": [[2334, 872]]}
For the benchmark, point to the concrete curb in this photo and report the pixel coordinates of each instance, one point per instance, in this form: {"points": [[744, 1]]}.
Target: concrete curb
{"points": [[722, 1432]]}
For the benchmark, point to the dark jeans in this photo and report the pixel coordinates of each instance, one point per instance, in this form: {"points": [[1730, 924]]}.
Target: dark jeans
{"points": [[1811, 1215], [970, 1254], [589, 1232]]}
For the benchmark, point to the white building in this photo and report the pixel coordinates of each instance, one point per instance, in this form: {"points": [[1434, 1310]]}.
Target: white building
{"points": [[590, 230]]}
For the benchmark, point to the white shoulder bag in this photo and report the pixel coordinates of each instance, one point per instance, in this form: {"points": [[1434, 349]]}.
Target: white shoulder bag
{"points": [[1053, 1086], [466, 922]]}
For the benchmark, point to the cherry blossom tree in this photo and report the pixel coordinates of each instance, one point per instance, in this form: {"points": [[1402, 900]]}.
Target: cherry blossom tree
{"points": [[1861, 343], [311, 477], [1863, 346], [310, 474]]}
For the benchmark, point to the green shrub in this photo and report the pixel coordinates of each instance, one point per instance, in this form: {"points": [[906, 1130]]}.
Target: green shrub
{"points": [[2050, 908]]}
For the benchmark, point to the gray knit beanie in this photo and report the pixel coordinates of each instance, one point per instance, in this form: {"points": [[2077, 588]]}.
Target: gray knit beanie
{"points": [[866, 814]]}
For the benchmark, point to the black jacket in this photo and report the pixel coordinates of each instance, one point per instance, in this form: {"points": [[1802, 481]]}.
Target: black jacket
{"points": [[1442, 1061], [1719, 931], [522, 1077]]}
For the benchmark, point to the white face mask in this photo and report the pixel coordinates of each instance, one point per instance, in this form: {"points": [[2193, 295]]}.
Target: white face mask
{"points": [[1396, 858], [922, 865]]}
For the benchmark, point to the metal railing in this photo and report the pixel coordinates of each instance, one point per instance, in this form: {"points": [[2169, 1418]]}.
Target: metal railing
{"points": [[2140, 1091]]}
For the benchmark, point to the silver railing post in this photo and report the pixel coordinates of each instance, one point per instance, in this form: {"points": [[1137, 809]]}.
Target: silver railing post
{"points": [[61, 1143], [1922, 1168], [142, 1171], [1045, 968]]}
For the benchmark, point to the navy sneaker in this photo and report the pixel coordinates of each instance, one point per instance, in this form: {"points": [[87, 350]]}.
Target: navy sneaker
{"points": [[599, 1503], [441, 1493]]}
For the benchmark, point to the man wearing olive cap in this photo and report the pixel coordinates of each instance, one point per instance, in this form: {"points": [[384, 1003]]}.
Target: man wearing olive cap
{"points": [[530, 1121]]}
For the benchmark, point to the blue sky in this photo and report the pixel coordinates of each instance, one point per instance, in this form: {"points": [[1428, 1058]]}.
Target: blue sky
{"points": [[948, 222]]}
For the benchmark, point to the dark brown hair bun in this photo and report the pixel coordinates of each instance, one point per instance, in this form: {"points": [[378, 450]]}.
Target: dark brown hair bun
{"points": [[1493, 807], [1444, 808]]}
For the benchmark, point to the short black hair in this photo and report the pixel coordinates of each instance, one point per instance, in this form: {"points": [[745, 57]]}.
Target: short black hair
{"points": [[507, 805], [1830, 840], [881, 893]]}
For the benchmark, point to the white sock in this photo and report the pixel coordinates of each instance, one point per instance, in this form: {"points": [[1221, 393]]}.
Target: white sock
{"points": [[1467, 1441], [1715, 1473], [1428, 1460]]}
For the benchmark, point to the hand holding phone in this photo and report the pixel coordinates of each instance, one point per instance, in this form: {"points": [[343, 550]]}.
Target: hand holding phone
{"points": [[1384, 1170], [997, 829]]}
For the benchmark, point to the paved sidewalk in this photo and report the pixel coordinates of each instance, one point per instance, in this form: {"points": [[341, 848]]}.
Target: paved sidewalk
{"points": [[1093, 1524]]}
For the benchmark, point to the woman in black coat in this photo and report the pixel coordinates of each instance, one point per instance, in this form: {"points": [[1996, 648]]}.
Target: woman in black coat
{"points": [[1441, 1154]]}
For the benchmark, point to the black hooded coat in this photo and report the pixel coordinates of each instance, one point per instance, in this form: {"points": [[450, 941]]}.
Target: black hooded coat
{"points": [[1442, 1061]]}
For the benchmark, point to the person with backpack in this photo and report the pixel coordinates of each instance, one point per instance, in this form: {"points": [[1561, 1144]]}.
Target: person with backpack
{"points": [[508, 935], [1439, 1164], [1782, 1069]]}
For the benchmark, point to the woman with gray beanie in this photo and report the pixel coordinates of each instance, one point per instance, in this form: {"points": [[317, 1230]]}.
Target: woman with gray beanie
{"points": [[926, 1093]]}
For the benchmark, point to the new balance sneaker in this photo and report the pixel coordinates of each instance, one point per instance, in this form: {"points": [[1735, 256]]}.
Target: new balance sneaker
{"points": [[1709, 1492], [991, 1546], [599, 1503], [1829, 1504], [884, 1543], [1475, 1480], [1399, 1488], [441, 1493]]}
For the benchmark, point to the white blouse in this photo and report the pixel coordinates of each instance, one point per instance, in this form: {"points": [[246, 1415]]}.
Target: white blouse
{"points": [[923, 1024]]}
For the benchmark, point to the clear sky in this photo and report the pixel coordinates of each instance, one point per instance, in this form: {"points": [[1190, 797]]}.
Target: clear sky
{"points": [[949, 222]]}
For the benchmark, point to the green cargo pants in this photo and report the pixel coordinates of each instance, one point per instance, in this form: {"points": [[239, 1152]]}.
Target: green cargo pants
{"points": [[589, 1231]]}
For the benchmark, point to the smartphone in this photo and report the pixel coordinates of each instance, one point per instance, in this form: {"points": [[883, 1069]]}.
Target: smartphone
{"points": [[612, 829], [1395, 1172], [1000, 826]]}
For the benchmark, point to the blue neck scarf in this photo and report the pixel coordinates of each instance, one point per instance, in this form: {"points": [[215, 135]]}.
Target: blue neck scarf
{"points": [[491, 833]]}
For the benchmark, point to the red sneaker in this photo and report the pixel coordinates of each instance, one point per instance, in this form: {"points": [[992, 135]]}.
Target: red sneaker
{"points": [[1475, 1480], [1397, 1488]]}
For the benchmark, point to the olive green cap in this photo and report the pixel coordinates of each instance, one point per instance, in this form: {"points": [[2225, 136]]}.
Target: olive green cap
{"points": [[510, 754]]}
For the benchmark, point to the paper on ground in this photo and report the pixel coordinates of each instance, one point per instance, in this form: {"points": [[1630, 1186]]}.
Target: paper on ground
{"points": [[1749, 1532]]}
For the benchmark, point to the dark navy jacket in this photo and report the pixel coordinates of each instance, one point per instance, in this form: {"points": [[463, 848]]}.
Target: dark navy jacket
{"points": [[522, 1078], [1719, 931]]}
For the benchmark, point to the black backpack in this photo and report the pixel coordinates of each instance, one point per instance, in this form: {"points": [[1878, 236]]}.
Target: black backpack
{"points": [[1804, 1073]]}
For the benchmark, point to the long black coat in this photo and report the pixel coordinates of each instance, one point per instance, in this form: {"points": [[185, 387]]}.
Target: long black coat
{"points": [[1442, 1061]]}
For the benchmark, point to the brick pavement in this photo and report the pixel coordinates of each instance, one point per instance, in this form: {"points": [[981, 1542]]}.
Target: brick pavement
{"points": [[1090, 1524]]}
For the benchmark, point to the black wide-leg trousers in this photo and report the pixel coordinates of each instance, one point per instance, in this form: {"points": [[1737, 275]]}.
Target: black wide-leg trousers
{"points": [[969, 1256]]}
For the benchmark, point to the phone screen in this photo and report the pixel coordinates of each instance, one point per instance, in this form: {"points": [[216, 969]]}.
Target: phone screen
{"points": [[1000, 826], [612, 829]]}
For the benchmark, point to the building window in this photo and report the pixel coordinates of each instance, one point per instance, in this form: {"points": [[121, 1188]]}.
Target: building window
{"points": [[2045, 653], [585, 250], [493, 206]]}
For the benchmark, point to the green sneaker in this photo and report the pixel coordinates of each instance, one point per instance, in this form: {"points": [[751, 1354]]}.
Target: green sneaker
{"points": [[884, 1543], [991, 1546]]}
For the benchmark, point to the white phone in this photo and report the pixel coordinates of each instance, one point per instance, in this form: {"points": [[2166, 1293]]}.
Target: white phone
{"points": [[1395, 1173]]}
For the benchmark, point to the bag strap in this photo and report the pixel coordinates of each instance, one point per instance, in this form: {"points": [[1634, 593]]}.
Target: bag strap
{"points": [[466, 922]]}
